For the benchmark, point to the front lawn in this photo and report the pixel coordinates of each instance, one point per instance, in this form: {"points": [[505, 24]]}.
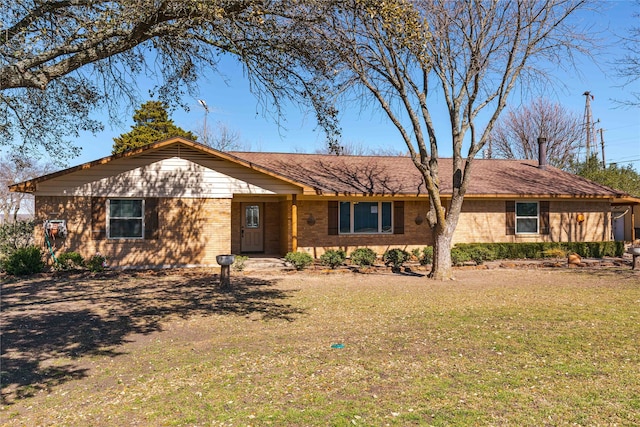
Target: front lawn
{"points": [[495, 347]]}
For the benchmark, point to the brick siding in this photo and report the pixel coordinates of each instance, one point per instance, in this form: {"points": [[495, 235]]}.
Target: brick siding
{"points": [[191, 232]]}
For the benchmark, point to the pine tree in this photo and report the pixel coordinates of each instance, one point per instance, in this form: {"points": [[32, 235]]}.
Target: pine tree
{"points": [[152, 123]]}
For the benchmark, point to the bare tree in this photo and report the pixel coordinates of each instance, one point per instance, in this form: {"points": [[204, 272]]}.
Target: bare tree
{"points": [[222, 137], [60, 60], [628, 66], [359, 148], [12, 170], [401, 53], [515, 135]]}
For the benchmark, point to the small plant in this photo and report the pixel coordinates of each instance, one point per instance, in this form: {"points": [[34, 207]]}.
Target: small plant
{"points": [[363, 257], [396, 258], [554, 253], [24, 261], [333, 258], [69, 261], [238, 263], [427, 255], [97, 263], [299, 260]]}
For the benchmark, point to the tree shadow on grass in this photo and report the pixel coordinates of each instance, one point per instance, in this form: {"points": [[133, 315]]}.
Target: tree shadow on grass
{"points": [[49, 322]]}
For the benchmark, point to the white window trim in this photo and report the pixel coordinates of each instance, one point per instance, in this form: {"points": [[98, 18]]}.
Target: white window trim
{"points": [[109, 219], [351, 221], [537, 217]]}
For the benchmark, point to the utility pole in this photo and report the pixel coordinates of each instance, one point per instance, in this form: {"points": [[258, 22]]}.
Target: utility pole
{"points": [[604, 164], [588, 125]]}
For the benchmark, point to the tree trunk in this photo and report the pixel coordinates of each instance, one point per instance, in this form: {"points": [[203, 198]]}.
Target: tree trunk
{"points": [[441, 268]]}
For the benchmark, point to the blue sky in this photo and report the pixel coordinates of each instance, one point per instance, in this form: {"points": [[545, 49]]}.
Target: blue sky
{"points": [[231, 102]]}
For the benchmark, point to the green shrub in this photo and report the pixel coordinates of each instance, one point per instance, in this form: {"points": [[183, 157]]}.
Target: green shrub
{"points": [[480, 254], [395, 257], [554, 253], [69, 260], [15, 235], [333, 257], [427, 255], [542, 249], [238, 263], [24, 261], [300, 260], [459, 256], [97, 263], [363, 257]]}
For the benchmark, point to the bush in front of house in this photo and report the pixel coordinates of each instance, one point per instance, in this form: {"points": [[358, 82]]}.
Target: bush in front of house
{"points": [[97, 263], [427, 255], [24, 261], [396, 257], [333, 258], [533, 250], [70, 261], [15, 235], [363, 257], [459, 256], [299, 260]]}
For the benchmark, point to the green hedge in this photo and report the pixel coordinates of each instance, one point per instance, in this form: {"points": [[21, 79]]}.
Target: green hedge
{"points": [[492, 251]]}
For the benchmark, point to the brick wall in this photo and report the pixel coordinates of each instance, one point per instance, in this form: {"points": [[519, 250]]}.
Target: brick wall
{"points": [[314, 239], [191, 232], [484, 221]]}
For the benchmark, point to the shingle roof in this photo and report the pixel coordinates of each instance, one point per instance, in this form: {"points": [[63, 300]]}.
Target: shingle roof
{"points": [[383, 175], [379, 175]]}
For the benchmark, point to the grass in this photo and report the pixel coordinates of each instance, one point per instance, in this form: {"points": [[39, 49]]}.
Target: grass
{"points": [[495, 347]]}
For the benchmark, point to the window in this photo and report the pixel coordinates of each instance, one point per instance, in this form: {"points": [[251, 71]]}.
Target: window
{"points": [[252, 216], [365, 217], [527, 218], [126, 219]]}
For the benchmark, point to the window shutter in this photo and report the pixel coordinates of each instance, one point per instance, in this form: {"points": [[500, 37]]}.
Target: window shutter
{"points": [[510, 213], [98, 218], [332, 219], [151, 218], [544, 217], [398, 217]]}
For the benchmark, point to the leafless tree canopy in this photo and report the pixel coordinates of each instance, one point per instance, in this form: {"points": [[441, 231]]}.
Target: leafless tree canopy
{"points": [[516, 133], [629, 65], [14, 170], [470, 54], [221, 137], [59, 60]]}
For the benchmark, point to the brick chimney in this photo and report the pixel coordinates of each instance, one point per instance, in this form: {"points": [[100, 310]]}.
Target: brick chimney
{"points": [[542, 153]]}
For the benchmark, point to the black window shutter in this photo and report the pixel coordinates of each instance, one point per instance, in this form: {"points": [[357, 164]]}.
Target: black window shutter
{"points": [[544, 217], [151, 218], [510, 214], [398, 217], [98, 218], [332, 218]]}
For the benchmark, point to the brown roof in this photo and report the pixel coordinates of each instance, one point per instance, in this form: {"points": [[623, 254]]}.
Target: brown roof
{"points": [[379, 175], [383, 175]]}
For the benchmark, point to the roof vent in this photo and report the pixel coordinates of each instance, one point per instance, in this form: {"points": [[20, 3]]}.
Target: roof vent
{"points": [[542, 153]]}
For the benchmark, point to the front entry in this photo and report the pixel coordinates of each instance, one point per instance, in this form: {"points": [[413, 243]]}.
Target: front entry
{"points": [[251, 227]]}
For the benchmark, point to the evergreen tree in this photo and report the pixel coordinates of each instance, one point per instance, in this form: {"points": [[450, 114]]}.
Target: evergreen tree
{"points": [[152, 123], [625, 179]]}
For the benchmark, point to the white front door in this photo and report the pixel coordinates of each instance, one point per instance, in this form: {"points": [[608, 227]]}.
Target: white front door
{"points": [[252, 229]]}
